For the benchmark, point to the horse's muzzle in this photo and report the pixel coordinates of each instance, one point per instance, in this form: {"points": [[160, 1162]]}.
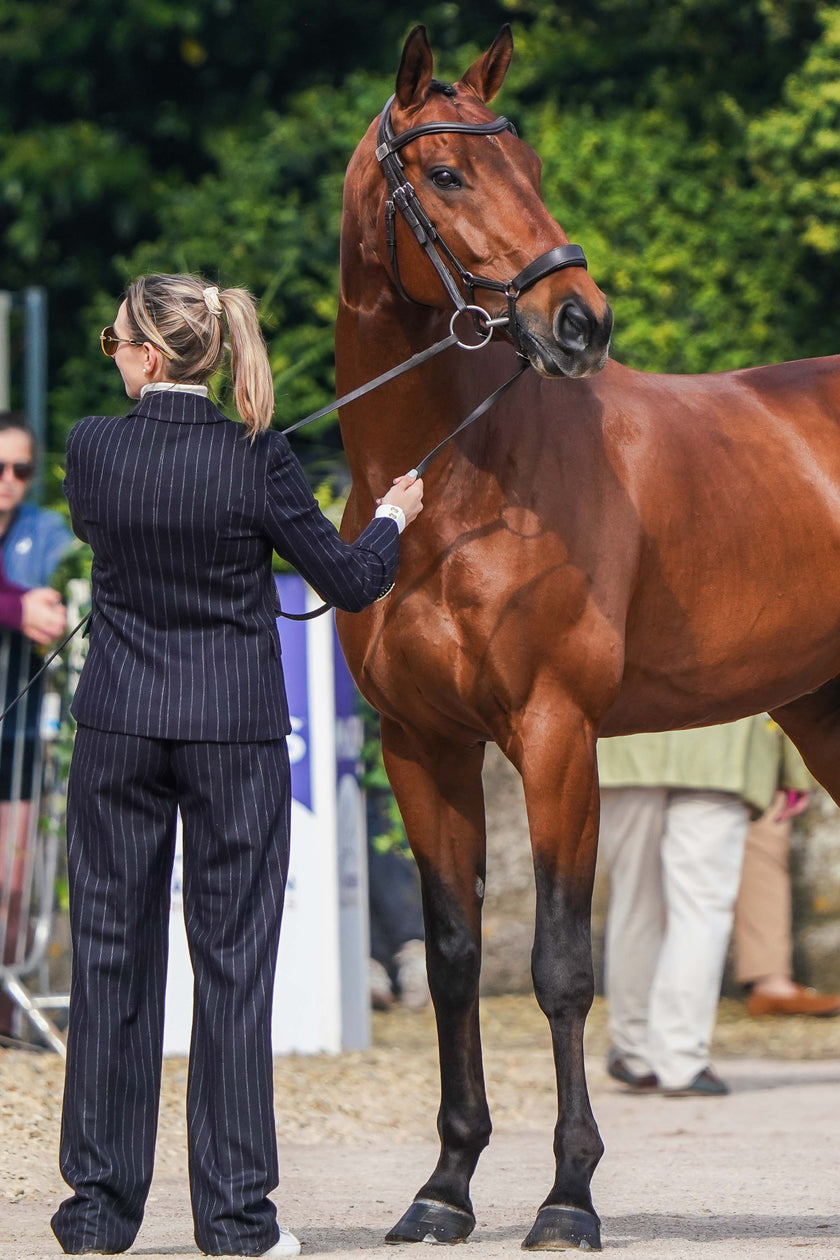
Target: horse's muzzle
{"points": [[577, 344]]}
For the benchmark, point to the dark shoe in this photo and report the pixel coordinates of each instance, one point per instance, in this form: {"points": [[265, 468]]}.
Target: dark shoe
{"points": [[706, 1084], [802, 1002], [619, 1071]]}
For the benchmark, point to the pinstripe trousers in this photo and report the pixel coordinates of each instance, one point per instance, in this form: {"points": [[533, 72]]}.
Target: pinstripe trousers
{"points": [[234, 799]]}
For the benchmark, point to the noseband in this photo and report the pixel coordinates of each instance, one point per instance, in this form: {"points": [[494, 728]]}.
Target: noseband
{"points": [[402, 197]]}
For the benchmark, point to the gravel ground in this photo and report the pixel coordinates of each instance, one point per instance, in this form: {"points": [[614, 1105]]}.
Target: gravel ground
{"points": [[755, 1174]]}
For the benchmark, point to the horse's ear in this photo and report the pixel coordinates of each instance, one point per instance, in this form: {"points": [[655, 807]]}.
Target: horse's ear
{"points": [[415, 72], [487, 75]]}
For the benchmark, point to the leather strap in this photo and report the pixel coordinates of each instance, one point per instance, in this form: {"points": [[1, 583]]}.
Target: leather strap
{"points": [[474, 415], [422, 356], [424, 464], [552, 260], [393, 142]]}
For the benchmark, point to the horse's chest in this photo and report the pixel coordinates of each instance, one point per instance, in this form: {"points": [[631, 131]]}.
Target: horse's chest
{"points": [[471, 646]]}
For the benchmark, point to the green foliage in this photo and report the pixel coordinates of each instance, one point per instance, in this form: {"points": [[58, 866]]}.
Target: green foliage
{"points": [[679, 229], [794, 148], [678, 53], [106, 110], [385, 825]]}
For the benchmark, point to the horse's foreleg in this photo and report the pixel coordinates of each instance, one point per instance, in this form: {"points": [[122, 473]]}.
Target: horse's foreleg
{"points": [[557, 760], [439, 792]]}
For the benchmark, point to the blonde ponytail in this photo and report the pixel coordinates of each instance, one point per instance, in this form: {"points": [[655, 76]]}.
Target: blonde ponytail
{"points": [[253, 387], [183, 316]]}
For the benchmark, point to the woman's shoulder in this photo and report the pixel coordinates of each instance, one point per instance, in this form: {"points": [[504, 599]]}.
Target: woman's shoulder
{"points": [[88, 425], [270, 446]]}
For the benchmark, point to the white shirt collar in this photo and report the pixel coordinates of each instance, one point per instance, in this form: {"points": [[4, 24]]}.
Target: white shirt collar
{"points": [[155, 387]]}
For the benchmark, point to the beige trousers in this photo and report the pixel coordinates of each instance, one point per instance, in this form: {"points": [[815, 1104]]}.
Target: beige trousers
{"points": [[763, 913], [674, 859]]}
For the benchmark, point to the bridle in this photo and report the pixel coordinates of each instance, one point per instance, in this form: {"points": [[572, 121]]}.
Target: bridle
{"points": [[402, 197]]}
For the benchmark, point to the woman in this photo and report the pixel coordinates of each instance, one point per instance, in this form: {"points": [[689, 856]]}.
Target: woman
{"points": [[181, 706]]}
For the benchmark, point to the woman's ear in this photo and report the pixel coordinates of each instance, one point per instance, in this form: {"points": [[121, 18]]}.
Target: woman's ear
{"points": [[154, 363]]}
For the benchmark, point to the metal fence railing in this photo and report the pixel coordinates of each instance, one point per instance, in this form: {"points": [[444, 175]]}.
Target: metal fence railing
{"points": [[35, 742]]}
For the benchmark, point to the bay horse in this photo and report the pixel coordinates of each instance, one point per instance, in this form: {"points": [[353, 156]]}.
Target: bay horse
{"points": [[606, 551]]}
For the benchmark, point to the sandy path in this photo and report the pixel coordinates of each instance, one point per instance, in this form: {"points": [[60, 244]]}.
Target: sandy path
{"points": [[755, 1174]]}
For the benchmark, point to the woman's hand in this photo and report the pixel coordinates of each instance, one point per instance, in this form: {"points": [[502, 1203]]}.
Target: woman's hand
{"points": [[406, 493], [44, 615]]}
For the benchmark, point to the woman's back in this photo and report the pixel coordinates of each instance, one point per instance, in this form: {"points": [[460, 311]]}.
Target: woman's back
{"points": [[171, 497], [183, 641]]}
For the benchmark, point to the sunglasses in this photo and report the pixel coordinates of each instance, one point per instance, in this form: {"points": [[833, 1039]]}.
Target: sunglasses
{"points": [[23, 472], [110, 342]]}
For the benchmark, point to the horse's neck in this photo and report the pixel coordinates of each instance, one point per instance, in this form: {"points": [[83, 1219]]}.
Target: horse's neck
{"points": [[392, 428]]}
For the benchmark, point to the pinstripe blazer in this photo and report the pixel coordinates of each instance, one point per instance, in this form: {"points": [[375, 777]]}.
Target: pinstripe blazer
{"points": [[183, 512]]}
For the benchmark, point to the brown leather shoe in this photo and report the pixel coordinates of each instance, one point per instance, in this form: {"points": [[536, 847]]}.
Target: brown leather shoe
{"points": [[802, 1002]]}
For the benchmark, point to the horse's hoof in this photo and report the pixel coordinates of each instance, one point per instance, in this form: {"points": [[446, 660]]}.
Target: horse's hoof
{"points": [[432, 1222], [564, 1229]]}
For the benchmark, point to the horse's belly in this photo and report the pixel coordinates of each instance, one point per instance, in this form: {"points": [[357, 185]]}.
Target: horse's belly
{"points": [[710, 676]]}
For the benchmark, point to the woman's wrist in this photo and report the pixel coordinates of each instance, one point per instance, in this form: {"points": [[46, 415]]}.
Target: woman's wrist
{"points": [[391, 512]]}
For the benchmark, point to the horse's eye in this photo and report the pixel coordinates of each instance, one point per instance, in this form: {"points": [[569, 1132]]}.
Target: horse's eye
{"points": [[444, 178]]}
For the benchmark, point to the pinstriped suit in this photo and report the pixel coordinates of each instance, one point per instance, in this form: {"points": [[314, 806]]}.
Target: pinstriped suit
{"points": [[181, 704]]}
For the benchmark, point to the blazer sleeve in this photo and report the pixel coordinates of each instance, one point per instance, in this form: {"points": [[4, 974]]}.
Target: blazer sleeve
{"points": [[348, 575]]}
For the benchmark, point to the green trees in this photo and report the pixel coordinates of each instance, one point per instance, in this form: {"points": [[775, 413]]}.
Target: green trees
{"points": [[690, 147]]}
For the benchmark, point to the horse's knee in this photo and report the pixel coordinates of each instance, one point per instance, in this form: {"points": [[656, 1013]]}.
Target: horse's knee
{"points": [[453, 959], [453, 945], [564, 986]]}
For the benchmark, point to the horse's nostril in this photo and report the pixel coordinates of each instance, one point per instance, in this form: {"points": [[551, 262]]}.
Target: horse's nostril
{"points": [[573, 327]]}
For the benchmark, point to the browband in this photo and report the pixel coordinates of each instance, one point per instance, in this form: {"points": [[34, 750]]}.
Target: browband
{"points": [[394, 142]]}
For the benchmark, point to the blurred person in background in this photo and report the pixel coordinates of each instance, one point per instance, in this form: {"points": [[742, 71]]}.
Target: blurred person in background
{"points": [[32, 542], [675, 809], [397, 950], [763, 934]]}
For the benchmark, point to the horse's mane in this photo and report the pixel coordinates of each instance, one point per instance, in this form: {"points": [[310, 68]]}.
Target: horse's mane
{"points": [[445, 89]]}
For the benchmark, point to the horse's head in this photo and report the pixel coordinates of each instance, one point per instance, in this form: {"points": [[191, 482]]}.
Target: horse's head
{"points": [[481, 193]]}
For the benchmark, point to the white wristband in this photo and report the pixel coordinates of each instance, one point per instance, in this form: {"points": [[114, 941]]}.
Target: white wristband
{"points": [[393, 513]]}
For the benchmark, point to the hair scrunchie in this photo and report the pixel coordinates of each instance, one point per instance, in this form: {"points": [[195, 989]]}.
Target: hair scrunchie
{"points": [[211, 300]]}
